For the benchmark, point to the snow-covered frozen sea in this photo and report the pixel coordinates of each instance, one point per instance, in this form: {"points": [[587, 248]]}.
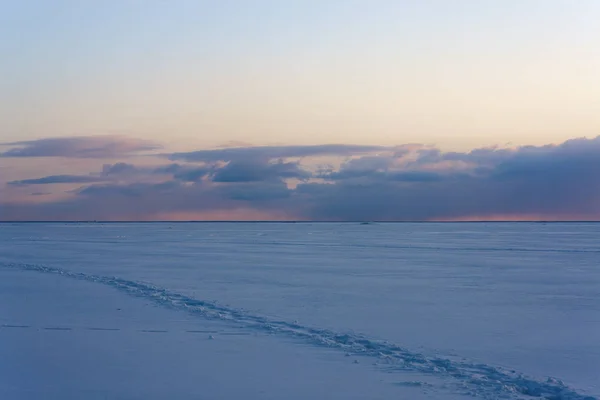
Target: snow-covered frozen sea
{"points": [[300, 311]]}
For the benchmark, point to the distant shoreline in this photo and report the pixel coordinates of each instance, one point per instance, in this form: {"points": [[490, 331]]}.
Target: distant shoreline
{"points": [[302, 222]]}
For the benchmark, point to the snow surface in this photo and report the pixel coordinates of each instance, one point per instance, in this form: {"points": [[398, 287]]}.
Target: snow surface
{"points": [[297, 311]]}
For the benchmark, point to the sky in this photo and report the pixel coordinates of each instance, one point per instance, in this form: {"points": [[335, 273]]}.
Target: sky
{"points": [[327, 110]]}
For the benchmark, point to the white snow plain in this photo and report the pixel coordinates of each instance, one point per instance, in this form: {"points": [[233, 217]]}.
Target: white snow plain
{"points": [[300, 310]]}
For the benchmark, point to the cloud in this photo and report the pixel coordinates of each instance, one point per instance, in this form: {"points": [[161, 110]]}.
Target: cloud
{"points": [[256, 171], [547, 181], [364, 167], [255, 192], [406, 183], [57, 179], [144, 201], [188, 197], [274, 152], [187, 174], [247, 170], [418, 176], [118, 169], [132, 190], [385, 168], [168, 169], [79, 147]]}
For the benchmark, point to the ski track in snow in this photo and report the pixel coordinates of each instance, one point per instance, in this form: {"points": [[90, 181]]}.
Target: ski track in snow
{"points": [[476, 379]]}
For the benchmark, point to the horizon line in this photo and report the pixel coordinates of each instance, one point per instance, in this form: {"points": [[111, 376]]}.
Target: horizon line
{"points": [[366, 222]]}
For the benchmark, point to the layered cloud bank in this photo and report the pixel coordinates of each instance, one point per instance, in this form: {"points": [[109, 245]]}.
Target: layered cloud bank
{"points": [[77, 147], [412, 182]]}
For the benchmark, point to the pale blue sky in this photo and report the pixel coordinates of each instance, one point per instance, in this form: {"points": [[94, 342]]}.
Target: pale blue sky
{"points": [[199, 73]]}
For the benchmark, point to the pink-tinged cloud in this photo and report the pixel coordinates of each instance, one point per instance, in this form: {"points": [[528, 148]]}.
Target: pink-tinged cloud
{"points": [[57, 179], [402, 183], [274, 152], [79, 147]]}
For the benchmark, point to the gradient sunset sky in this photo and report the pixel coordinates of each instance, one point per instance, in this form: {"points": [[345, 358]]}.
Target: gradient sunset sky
{"points": [[328, 110]]}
